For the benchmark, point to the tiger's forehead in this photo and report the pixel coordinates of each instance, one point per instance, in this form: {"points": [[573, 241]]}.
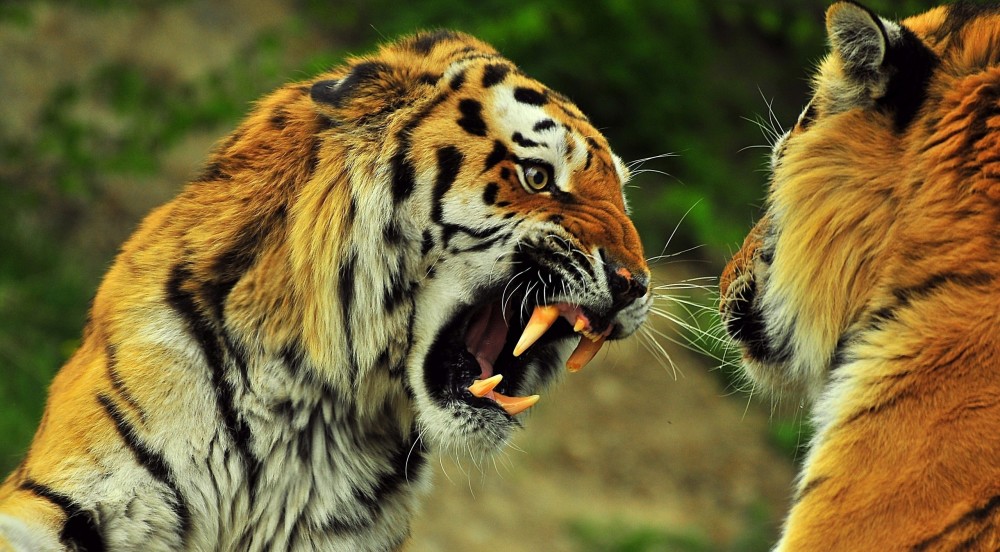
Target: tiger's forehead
{"points": [[495, 98], [534, 118]]}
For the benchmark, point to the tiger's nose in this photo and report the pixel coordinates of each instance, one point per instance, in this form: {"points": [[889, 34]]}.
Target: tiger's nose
{"points": [[625, 286]]}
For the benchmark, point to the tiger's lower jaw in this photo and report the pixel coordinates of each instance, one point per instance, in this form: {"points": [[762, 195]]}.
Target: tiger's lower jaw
{"points": [[768, 363]]}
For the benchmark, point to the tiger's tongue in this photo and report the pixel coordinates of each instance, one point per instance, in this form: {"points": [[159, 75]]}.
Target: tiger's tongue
{"points": [[486, 336], [485, 339]]}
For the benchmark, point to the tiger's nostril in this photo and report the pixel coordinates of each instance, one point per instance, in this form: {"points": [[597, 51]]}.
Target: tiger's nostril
{"points": [[625, 287]]}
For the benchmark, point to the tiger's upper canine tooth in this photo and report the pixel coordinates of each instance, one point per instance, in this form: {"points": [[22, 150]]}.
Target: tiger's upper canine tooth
{"points": [[481, 388], [541, 320], [515, 405], [584, 352]]}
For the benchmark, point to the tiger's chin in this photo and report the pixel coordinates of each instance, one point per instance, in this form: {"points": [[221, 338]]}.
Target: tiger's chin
{"points": [[769, 361], [489, 360]]}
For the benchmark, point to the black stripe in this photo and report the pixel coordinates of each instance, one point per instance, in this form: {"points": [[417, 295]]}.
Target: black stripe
{"points": [[152, 461], [116, 381], [324, 91], [840, 356], [885, 403], [449, 162], [203, 332], [929, 286], [471, 120], [80, 531], [395, 292], [233, 263], [392, 233], [543, 125], [279, 119], [809, 487], [520, 140], [959, 15], [403, 172], [498, 154], [983, 110], [977, 515], [314, 154], [457, 81], [403, 176], [494, 73], [490, 193], [324, 123], [427, 244], [530, 96], [423, 43], [486, 244], [345, 288], [409, 457], [431, 78], [213, 172]]}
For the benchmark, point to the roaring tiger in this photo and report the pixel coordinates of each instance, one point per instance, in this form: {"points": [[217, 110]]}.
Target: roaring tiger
{"points": [[872, 284], [387, 260]]}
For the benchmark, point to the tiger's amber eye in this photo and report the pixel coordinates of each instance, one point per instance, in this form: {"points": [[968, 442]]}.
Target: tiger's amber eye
{"points": [[537, 178]]}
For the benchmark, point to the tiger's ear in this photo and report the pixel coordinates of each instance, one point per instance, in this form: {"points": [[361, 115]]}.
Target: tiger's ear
{"points": [[858, 38], [368, 93]]}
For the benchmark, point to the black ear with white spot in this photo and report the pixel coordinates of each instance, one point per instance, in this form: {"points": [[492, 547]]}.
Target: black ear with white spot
{"points": [[369, 92], [859, 38], [325, 91]]}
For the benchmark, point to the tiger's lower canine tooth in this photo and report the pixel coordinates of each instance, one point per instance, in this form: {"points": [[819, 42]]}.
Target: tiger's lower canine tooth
{"points": [[515, 405], [541, 320], [481, 388], [584, 353]]}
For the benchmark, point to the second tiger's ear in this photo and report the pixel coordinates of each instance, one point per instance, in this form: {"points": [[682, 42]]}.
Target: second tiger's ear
{"points": [[858, 38]]}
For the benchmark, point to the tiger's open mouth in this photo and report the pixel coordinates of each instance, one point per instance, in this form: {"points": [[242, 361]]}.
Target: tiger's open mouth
{"points": [[494, 356]]}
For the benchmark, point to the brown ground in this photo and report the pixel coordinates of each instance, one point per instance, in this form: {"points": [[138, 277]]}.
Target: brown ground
{"points": [[621, 442]]}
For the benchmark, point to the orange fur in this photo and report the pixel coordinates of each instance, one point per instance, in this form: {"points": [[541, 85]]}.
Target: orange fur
{"points": [[873, 287]]}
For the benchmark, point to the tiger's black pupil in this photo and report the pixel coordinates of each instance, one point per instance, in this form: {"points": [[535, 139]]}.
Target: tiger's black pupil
{"points": [[537, 177]]}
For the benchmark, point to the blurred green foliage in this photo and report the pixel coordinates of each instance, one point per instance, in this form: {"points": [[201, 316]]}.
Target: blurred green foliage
{"points": [[685, 77], [620, 536]]}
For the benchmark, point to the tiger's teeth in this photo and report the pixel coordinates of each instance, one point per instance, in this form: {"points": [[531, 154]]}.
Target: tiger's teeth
{"points": [[541, 320], [584, 352], [515, 405], [481, 388]]}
